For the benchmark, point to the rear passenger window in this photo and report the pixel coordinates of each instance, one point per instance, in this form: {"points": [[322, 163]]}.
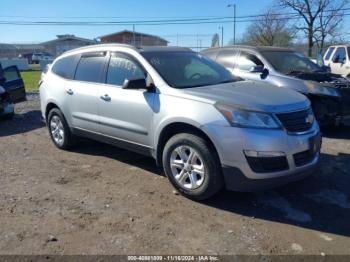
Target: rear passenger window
{"points": [[65, 67], [90, 68], [122, 67], [226, 58], [211, 54]]}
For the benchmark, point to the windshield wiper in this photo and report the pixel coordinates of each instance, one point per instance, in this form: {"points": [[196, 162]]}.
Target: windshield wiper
{"points": [[227, 81]]}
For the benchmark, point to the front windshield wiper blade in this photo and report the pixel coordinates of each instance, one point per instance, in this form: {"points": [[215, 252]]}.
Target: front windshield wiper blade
{"points": [[227, 81], [293, 72], [191, 86], [208, 84]]}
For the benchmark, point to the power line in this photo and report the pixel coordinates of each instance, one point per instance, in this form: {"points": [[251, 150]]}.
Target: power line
{"points": [[212, 20], [175, 18], [47, 23]]}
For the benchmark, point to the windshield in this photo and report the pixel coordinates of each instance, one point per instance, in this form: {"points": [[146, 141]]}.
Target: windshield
{"points": [[187, 69], [289, 62]]}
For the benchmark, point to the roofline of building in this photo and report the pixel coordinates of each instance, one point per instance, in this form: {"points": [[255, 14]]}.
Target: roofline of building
{"points": [[137, 33], [69, 37]]}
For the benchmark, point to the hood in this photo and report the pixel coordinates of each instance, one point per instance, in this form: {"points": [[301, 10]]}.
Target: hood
{"points": [[324, 78], [252, 95]]}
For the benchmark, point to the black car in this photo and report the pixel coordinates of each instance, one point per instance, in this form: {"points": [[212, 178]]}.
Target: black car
{"points": [[12, 90]]}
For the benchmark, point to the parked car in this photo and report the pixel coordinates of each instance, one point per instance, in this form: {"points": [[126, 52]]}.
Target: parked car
{"points": [[338, 59], [27, 56], [6, 105], [205, 127], [12, 90], [282, 67], [37, 57]]}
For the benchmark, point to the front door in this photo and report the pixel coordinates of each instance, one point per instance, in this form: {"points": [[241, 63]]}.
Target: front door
{"points": [[339, 63], [126, 114], [244, 64], [14, 84]]}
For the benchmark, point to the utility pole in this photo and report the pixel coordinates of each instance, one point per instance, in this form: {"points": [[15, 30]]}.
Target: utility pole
{"points": [[133, 34], [234, 22], [222, 35]]}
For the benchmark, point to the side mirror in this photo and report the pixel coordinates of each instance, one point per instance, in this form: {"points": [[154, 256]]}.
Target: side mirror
{"points": [[265, 73], [136, 84], [257, 69]]}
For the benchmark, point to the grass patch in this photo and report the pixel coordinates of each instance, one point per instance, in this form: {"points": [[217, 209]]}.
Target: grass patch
{"points": [[31, 80]]}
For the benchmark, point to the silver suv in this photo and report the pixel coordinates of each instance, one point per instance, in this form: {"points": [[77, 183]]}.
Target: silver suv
{"points": [[283, 67], [206, 128]]}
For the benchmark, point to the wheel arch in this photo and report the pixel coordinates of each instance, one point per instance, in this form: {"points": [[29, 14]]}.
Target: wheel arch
{"points": [[51, 105], [172, 129]]}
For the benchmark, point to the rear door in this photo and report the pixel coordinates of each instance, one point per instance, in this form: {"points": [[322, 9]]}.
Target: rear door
{"points": [[82, 93], [14, 84]]}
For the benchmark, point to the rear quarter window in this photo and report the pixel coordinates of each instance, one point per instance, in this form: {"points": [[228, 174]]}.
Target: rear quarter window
{"points": [[65, 67], [211, 54]]}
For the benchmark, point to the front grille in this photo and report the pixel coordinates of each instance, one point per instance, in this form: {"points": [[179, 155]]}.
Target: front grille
{"points": [[303, 158], [268, 164], [296, 121]]}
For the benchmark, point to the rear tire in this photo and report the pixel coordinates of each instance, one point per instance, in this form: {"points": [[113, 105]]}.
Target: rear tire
{"points": [[192, 166], [59, 130]]}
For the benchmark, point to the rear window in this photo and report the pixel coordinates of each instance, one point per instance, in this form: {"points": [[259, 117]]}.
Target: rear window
{"points": [[90, 69], [65, 67]]}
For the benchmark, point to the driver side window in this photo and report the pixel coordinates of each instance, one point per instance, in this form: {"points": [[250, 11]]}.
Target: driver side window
{"points": [[340, 55], [246, 61], [122, 67]]}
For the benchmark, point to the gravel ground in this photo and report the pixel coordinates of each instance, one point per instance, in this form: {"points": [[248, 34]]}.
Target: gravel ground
{"points": [[98, 199]]}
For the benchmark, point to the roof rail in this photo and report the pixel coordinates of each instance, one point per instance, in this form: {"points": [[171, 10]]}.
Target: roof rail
{"points": [[101, 45]]}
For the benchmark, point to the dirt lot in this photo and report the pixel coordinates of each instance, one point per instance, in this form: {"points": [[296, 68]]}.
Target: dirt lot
{"points": [[102, 200]]}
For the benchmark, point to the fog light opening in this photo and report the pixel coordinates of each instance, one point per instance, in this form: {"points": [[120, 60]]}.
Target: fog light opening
{"points": [[252, 153]]}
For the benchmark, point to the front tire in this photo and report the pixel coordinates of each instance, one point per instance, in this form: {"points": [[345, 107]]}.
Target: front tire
{"points": [[59, 130], [192, 166]]}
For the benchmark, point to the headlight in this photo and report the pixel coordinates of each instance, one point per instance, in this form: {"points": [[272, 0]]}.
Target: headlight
{"points": [[244, 118], [320, 89]]}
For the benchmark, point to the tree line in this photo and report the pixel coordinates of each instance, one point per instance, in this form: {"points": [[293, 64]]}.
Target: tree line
{"points": [[319, 21]]}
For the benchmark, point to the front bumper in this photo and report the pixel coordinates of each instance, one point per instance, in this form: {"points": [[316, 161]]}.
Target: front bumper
{"points": [[231, 143]]}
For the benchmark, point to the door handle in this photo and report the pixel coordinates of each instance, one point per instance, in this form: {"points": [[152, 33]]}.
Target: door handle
{"points": [[70, 92], [106, 98]]}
